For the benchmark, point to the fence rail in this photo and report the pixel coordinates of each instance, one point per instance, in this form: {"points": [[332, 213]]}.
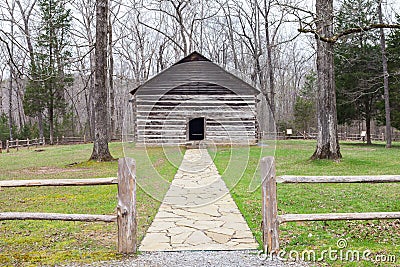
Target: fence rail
{"points": [[288, 179], [59, 182], [59, 140], [17, 143], [126, 207], [57, 217], [337, 216], [312, 135], [64, 140], [271, 219]]}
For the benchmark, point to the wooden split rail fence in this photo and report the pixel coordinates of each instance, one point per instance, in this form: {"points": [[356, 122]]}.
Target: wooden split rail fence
{"points": [[65, 140], [307, 135], [126, 207], [271, 219], [62, 140], [21, 143]]}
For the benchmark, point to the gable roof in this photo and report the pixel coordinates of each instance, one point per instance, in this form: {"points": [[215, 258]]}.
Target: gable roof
{"points": [[193, 68], [194, 56]]}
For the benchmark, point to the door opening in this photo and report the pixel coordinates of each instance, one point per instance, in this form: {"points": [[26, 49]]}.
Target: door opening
{"points": [[196, 129]]}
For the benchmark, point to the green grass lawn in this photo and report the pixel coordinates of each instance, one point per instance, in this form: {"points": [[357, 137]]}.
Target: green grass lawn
{"points": [[292, 158], [26, 243]]}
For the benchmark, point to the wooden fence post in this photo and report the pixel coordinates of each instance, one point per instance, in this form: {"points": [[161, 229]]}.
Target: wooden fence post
{"points": [[1, 146], [126, 209], [17, 144], [270, 222], [7, 146], [27, 142]]}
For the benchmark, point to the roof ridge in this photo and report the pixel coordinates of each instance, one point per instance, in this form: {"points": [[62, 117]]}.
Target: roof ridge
{"points": [[194, 56]]}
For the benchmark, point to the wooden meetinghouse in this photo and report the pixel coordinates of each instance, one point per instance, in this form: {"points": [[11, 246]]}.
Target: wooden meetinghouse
{"points": [[195, 100]]}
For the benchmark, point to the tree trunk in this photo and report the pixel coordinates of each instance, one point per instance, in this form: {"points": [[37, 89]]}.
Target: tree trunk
{"points": [[26, 29], [100, 142], [91, 82], [271, 74], [111, 78], [327, 140], [51, 122], [10, 89], [368, 128], [21, 116], [40, 125], [1, 93], [10, 104], [91, 118], [160, 59], [385, 80], [231, 37], [88, 112]]}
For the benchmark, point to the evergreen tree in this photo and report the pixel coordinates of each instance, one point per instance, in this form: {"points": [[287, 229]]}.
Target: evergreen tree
{"points": [[45, 92], [393, 52], [358, 68], [4, 127], [305, 105]]}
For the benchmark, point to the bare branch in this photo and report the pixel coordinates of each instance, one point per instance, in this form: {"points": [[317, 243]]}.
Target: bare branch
{"points": [[336, 37]]}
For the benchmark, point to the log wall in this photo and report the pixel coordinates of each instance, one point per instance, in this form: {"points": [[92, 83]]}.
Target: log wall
{"points": [[229, 118]]}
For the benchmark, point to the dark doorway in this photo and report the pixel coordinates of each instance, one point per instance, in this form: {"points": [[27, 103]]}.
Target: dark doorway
{"points": [[196, 129]]}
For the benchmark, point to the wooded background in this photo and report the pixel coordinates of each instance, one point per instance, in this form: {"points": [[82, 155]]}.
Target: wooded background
{"points": [[47, 58]]}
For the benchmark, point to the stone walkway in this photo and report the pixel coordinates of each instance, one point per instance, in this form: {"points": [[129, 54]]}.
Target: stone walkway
{"points": [[198, 212]]}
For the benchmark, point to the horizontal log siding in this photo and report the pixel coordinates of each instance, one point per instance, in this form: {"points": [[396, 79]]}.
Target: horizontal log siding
{"points": [[163, 120]]}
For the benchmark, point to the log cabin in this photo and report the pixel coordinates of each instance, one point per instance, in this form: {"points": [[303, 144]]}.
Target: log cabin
{"points": [[195, 101]]}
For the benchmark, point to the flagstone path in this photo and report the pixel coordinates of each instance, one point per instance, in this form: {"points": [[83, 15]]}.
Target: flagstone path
{"points": [[198, 213]]}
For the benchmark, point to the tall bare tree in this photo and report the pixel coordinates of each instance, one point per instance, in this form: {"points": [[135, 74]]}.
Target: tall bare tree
{"points": [[2, 70], [327, 140], [26, 13], [84, 34], [385, 78], [101, 151], [12, 75], [111, 75]]}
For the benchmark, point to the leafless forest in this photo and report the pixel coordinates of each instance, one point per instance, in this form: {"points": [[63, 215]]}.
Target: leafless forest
{"points": [[257, 40]]}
